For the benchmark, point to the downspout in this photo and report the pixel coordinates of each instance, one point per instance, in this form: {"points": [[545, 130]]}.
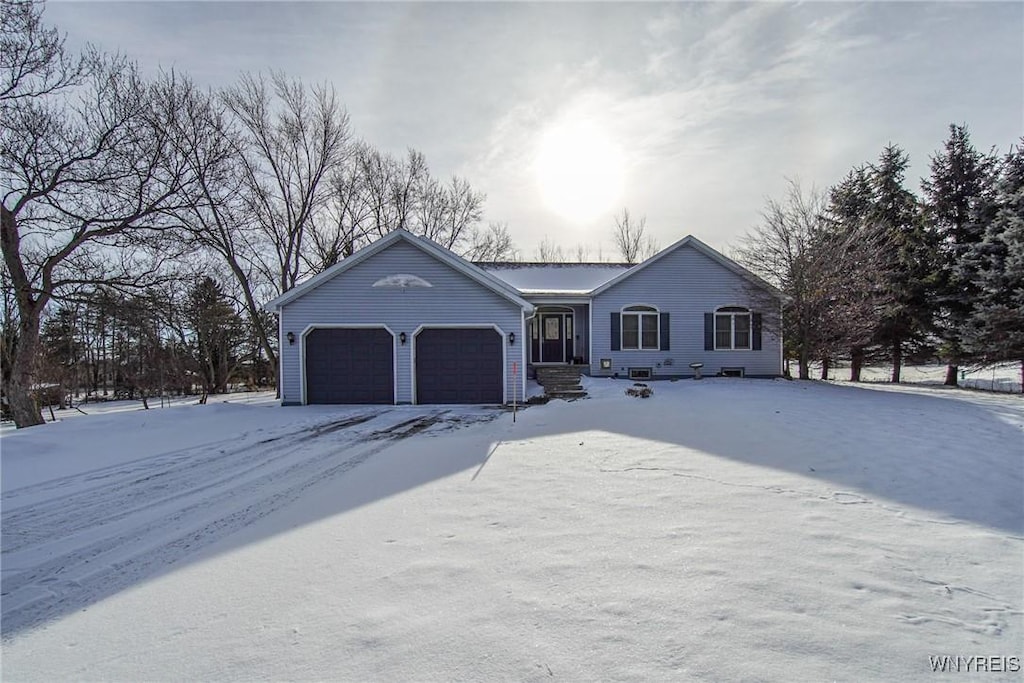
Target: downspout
{"points": [[280, 354]]}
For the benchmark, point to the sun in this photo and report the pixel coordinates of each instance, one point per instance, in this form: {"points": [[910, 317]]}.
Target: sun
{"points": [[579, 170]]}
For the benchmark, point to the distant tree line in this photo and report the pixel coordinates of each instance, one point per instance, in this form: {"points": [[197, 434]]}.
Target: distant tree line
{"points": [[129, 200], [873, 272]]}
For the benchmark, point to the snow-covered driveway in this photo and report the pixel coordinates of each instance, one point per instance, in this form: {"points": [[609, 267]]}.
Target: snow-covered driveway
{"points": [[70, 540], [721, 530]]}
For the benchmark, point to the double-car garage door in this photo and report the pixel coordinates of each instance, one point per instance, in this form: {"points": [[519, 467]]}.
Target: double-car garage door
{"points": [[356, 365]]}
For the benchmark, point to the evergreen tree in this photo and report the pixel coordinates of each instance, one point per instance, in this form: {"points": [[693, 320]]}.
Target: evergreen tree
{"points": [[996, 330], [908, 320], [218, 335], [62, 351], [961, 179]]}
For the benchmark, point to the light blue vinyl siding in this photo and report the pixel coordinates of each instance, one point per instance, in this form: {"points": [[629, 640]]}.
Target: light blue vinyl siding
{"points": [[582, 317], [350, 298], [686, 284]]}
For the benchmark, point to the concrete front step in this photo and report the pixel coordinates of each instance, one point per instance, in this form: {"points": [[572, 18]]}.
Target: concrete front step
{"points": [[567, 395], [558, 373], [561, 381]]}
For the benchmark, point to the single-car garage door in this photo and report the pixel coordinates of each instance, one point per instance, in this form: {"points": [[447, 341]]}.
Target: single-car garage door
{"points": [[350, 366], [461, 365]]}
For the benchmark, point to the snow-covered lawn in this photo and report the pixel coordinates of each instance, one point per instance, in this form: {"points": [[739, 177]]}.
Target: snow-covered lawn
{"points": [[720, 530]]}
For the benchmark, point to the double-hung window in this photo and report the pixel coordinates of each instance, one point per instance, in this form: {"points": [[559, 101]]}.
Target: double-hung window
{"points": [[640, 328], [732, 328]]}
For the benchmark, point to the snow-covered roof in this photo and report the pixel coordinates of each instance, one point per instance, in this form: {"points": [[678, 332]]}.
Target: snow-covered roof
{"points": [[553, 278]]}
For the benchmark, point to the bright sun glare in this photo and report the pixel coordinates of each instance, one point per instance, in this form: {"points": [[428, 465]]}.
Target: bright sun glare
{"points": [[579, 170]]}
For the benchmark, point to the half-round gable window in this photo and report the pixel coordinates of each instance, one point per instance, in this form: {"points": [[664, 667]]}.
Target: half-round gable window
{"points": [[641, 328]]}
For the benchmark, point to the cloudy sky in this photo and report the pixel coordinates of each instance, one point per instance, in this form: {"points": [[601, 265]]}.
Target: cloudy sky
{"points": [[687, 113]]}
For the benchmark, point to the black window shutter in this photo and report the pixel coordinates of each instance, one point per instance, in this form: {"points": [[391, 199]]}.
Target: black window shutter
{"points": [[709, 331], [664, 332], [755, 332], [616, 334]]}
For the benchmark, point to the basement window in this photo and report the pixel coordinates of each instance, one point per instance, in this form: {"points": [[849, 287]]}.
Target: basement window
{"points": [[639, 373], [731, 372]]}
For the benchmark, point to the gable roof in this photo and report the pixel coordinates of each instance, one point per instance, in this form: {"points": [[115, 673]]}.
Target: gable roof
{"points": [[553, 278], [699, 246], [429, 247]]}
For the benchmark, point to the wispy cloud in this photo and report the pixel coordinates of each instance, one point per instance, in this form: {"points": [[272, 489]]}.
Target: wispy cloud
{"points": [[706, 72]]}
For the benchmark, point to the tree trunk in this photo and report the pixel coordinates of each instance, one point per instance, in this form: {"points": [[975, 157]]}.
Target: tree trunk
{"points": [[24, 409], [856, 363], [804, 363], [254, 312], [897, 361], [824, 368], [951, 376]]}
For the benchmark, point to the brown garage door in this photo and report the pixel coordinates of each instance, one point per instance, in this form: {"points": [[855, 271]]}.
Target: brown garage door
{"points": [[350, 366], [461, 365]]}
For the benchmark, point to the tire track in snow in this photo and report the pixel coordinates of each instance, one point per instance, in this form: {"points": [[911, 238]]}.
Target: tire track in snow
{"points": [[146, 488], [110, 555]]}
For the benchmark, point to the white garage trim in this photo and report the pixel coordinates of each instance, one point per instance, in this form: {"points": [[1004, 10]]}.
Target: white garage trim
{"points": [[455, 326], [349, 326]]}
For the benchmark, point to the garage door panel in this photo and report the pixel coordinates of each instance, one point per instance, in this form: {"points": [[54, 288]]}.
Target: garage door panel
{"points": [[462, 365], [349, 366]]}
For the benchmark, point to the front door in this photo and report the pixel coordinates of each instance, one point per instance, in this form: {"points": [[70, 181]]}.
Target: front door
{"points": [[551, 338]]}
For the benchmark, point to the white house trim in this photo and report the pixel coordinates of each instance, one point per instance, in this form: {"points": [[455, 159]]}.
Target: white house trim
{"points": [[650, 309]]}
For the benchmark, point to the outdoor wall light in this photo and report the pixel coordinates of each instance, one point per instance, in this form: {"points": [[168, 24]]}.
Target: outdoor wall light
{"points": [[291, 337], [402, 338], [511, 338]]}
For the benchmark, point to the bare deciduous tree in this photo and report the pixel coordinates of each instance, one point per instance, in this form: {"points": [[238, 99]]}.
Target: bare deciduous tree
{"points": [[549, 252], [295, 139], [33, 59], [630, 238], [217, 212], [494, 243], [581, 254], [825, 275], [88, 172]]}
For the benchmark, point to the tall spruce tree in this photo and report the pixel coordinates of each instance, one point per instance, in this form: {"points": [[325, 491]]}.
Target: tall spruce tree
{"points": [[960, 181], [908, 319], [995, 332]]}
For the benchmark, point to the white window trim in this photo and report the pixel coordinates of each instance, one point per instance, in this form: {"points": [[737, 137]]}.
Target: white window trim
{"points": [[732, 328], [624, 311]]}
